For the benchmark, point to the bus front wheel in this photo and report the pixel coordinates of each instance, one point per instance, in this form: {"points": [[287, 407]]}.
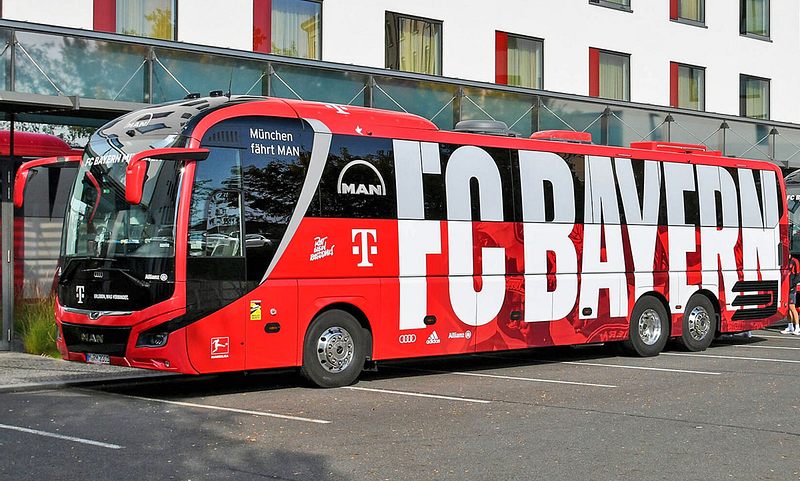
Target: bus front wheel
{"points": [[334, 350], [649, 328]]}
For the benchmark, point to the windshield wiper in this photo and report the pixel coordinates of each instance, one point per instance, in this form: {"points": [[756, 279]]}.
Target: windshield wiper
{"points": [[125, 272], [71, 266]]}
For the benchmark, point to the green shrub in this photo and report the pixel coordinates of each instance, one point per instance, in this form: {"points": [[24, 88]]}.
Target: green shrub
{"points": [[36, 326]]}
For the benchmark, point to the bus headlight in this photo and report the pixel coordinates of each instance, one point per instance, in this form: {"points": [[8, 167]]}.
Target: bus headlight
{"points": [[152, 339]]}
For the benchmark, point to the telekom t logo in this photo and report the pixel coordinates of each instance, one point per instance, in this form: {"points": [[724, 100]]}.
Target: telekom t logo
{"points": [[361, 245], [79, 294]]}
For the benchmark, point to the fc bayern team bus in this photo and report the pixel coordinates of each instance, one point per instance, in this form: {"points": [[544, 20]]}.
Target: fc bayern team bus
{"points": [[241, 233]]}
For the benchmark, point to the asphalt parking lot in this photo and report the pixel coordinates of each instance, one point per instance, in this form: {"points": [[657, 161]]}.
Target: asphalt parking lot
{"points": [[731, 412]]}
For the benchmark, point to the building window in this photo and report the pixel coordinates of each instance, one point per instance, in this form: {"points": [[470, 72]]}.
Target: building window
{"points": [[618, 4], [687, 86], [519, 60], [690, 11], [413, 44], [609, 74], [754, 18], [753, 97], [292, 28], [143, 18]]}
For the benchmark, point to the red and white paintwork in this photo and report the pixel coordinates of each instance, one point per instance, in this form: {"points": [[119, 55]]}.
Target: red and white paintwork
{"points": [[470, 275]]}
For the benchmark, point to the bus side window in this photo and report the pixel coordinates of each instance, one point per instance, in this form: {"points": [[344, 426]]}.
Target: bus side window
{"points": [[215, 223], [358, 180]]}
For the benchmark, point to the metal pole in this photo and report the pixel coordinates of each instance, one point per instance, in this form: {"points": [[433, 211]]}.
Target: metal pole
{"points": [[7, 242], [604, 126], [457, 106]]}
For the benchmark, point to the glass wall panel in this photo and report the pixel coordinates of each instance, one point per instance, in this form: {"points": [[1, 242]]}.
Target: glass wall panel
{"points": [[749, 141], [431, 100], [96, 69], [557, 114], [787, 147], [627, 125], [176, 73], [514, 109], [687, 129], [334, 86]]}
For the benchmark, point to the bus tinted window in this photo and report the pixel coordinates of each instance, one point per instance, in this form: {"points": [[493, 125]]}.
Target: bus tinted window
{"points": [[358, 180]]}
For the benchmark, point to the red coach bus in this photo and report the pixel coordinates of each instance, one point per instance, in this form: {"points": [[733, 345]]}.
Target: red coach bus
{"points": [[223, 234]]}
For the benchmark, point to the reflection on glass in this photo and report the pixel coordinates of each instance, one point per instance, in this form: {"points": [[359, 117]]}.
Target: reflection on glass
{"points": [[146, 18], [413, 44], [344, 88], [215, 220], [525, 62], [78, 66], [427, 99], [296, 28], [202, 74]]}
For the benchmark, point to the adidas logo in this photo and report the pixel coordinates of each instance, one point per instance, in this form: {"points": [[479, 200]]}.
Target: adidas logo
{"points": [[433, 338]]}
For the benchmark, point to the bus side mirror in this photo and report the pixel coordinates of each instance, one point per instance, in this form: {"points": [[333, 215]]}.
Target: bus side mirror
{"points": [[26, 172], [136, 173]]}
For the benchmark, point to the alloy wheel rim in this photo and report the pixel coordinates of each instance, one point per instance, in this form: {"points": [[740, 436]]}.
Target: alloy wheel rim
{"points": [[649, 327], [699, 323], [335, 349]]}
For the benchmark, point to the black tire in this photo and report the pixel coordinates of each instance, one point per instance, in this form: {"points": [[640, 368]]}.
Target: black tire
{"points": [[334, 350], [649, 328], [699, 324]]}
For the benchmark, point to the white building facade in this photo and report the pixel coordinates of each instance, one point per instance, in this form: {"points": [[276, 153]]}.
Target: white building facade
{"points": [[354, 32]]}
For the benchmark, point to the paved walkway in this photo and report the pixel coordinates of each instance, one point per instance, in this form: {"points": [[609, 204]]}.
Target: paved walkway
{"points": [[21, 372]]}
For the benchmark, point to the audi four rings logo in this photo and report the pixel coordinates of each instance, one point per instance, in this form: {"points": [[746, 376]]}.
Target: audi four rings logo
{"points": [[408, 338]]}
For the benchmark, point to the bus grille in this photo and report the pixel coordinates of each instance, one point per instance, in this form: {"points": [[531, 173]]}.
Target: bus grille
{"points": [[96, 339]]}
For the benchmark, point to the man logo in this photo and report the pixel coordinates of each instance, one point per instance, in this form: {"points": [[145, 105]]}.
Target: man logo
{"points": [[408, 338], [359, 188]]}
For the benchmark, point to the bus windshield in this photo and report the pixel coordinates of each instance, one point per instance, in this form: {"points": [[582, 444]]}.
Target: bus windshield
{"points": [[101, 223]]}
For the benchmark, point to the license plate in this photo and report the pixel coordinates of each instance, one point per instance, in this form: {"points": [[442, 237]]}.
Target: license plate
{"points": [[98, 359]]}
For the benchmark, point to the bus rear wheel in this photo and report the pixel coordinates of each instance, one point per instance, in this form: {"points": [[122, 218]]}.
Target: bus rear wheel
{"points": [[699, 324], [334, 350], [649, 328]]}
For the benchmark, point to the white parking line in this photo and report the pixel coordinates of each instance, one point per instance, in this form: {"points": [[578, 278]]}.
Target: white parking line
{"points": [[643, 368], [232, 410], [793, 361], [530, 379], [767, 347], [786, 336], [61, 436], [418, 394]]}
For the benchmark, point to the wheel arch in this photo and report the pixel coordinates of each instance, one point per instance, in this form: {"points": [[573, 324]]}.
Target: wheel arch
{"points": [[663, 301], [354, 311], [712, 298]]}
